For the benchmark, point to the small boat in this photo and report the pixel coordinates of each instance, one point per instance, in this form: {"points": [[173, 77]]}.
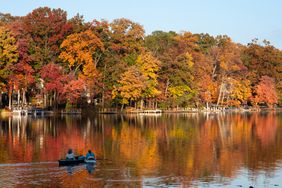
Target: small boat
{"points": [[77, 160], [90, 160]]}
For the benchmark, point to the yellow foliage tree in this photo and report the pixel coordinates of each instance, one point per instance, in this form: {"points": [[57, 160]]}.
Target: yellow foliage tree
{"points": [[8, 56], [130, 86], [8, 53], [240, 92], [148, 66], [139, 81]]}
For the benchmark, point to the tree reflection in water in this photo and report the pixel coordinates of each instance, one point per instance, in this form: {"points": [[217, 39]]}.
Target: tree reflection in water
{"points": [[70, 169], [182, 147], [90, 168]]}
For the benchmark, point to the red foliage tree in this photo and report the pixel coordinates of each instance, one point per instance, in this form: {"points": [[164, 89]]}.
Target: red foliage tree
{"points": [[265, 91], [73, 89], [47, 28], [52, 76]]}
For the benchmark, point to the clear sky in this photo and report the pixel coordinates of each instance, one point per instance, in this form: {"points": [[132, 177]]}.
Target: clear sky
{"points": [[242, 20]]}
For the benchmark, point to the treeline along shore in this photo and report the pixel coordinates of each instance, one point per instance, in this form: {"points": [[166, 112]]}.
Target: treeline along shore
{"points": [[52, 62]]}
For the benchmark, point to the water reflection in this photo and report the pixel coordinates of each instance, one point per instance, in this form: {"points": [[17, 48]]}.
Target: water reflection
{"points": [[90, 167], [147, 150], [70, 169]]}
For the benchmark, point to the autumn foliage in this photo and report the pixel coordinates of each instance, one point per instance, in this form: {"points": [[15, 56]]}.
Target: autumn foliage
{"points": [[265, 91], [55, 60]]}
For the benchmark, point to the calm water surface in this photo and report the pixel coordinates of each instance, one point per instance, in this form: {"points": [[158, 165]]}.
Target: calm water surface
{"points": [[176, 150]]}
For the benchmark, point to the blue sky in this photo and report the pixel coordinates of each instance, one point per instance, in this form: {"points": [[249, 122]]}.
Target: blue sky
{"points": [[242, 20]]}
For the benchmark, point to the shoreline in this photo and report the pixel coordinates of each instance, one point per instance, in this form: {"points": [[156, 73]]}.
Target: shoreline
{"points": [[174, 111], [4, 112]]}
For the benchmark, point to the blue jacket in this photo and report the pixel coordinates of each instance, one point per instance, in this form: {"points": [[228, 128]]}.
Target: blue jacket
{"points": [[90, 155]]}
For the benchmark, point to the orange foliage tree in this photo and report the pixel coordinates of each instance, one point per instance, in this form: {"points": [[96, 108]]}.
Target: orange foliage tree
{"points": [[81, 49], [265, 91]]}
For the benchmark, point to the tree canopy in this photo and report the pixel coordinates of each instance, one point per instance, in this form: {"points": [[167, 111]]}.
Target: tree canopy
{"points": [[49, 60]]}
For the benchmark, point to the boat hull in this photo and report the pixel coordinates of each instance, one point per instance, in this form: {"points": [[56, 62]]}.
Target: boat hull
{"points": [[77, 160]]}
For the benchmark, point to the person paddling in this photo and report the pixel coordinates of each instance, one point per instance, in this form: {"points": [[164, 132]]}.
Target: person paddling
{"points": [[70, 155], [90, 154]]}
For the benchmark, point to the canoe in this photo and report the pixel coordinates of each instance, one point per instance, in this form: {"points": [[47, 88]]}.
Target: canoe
{"points": [[90, 160], [77, 160]]}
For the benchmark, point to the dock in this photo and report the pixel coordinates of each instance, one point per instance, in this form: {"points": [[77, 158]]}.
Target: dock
{"points": [[73, 111], [129, 111], [139, 111]]}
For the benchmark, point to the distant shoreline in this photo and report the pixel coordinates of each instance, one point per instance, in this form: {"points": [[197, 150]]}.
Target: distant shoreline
{"points": [[193, 110], [109, 111]]}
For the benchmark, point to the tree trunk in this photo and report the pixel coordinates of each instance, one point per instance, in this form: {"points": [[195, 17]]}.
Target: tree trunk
{"points": [[220, 94], [141, 104], [55, 100], [10, 100], [103, 88], [103, 98], [51, 101], [223, 95], [1, 100], [166, 87], [44, 100], [213, 71], [122, 106], [227, 100], [24, 98], [19, 97], [150, 104]]}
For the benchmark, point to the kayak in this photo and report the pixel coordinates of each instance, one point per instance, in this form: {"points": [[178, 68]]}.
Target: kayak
{"points": [[77, 160], [90, 160]]}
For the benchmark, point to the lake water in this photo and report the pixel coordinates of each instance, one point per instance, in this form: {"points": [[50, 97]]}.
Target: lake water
{"points": [[169, 150]]}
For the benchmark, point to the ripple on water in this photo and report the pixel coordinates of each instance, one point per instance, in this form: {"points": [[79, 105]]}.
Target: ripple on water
{"points": [[26, 164], [12, 175]]}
